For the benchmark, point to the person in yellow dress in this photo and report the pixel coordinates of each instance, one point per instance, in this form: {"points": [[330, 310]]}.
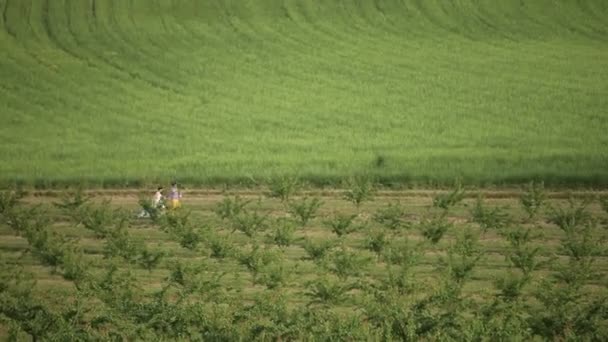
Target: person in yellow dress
{"points": [[175, 196]]}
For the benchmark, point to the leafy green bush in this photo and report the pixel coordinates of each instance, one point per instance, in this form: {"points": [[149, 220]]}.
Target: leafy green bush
{"points": [[434, 229], [177, 223], [257, 258], [521, 254], [219, 245], [119, 244], [401, 252], [249, 223], [305, 209], [101, 218], [391, 216], [317, 251], [575, 215], [342, 224], [283, 233], [462, 257], [360, 189], [9, 199], [283, 187], [376, 241], [274, 275], [495, 218], [348, 263], [72, 200], [533, 199], [325, 291], [231, 207], [450, 199]]}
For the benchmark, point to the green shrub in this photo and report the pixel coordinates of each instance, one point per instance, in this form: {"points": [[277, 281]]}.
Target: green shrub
{"points": [[9, 199], [305, 209], [231, 207], [325, 291], [249, 223], [568, 219], [521, 254], [317, 251], [283, 187], [462, 257], [342, 224], [257, 258], [434, 229], [401, 252], [274, 275], [533, 199], [376, 241], [347, 263], [360, 189], [177, 223], [450, 199], [219, 245], [391, 216], [101, 218], [495, 218], [283, 233], [72, 200]]}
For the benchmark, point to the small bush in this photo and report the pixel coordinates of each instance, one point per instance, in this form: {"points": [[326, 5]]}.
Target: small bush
{"points": [[342, 224], [533, 199], [575, 215], [283, 234], [249, 223], [9, 199], [101, 218], [317, 251], [283, 187], [391, 216], [231, 207], [400, 252], [495, 218], [274, 275], [220, 246], [305, 209], [257, 258], [327, 292], [462, 257], [376, 241], [346, 263], [521, 254], [361, 189], [450, 199], [435, 228], [72, 200]]}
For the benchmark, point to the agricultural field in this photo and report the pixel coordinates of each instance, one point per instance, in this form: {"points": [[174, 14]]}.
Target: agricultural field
{"points": [[285, 263], [128, 92]]}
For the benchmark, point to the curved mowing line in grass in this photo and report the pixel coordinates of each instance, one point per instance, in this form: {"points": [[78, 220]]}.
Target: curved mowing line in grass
{"points": [[115, 91]]}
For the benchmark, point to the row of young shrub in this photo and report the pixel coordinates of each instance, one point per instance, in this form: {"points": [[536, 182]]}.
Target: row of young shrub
{"points": [[343, 300]]}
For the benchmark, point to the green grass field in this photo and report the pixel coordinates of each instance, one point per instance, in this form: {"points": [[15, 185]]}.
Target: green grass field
{"points": [[117, 92]]}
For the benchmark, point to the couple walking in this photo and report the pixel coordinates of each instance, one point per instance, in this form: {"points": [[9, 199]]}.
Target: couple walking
{"points": [[174, 197]]}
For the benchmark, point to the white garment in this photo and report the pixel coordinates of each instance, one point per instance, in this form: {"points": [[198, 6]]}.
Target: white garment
{"points": [[157, 198]]}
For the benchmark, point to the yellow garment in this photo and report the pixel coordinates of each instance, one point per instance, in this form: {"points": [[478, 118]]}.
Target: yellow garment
{"points": [[175, 204]]}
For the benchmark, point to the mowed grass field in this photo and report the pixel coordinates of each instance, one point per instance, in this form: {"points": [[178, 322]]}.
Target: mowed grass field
{"points": [[128, 92], [255, 285]]}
